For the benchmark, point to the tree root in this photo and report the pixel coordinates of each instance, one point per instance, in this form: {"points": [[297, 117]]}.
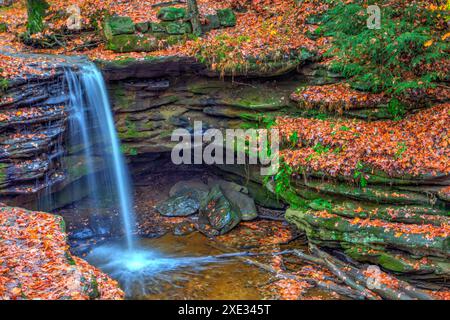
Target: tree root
{"points": [[351, 281]]}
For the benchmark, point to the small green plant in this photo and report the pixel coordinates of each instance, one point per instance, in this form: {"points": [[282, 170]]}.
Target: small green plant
{"points": [[294, 139], [320, 148], [401, 148], [396, 108], [359, 174], [282, 178], [4, 83]]}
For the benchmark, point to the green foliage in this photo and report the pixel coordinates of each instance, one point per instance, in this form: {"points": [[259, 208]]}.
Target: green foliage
{"points": [[396, 108], [36, 12], [359, 174], [401, 149], [388, 59], [282, 178], [320, 204], [294, 139], [4, 83], [320, 148]]}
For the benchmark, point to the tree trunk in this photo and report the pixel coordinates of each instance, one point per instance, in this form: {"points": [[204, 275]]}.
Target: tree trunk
{"points": [[193, 14], [36, 12]]}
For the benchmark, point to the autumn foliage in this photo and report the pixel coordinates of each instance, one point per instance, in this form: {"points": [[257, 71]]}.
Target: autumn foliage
{"points": [[416, 145], [35, 262]]}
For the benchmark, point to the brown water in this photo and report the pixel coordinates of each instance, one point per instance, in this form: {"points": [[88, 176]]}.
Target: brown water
{"points": [[224, 280], [174, 267], [170, 277]]}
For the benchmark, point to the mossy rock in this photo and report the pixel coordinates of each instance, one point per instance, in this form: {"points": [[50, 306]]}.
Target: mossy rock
{"points": [[398, 262], [142, 27], [213, 23], [376, 194], [157, 27], [177, 28], [118, 26], [171, 13], [331, 229], [226, 17], [133, 43], [263, 197]]}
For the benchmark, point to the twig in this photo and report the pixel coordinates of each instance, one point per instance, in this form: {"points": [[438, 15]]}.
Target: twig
{"points": [[328, 286]]}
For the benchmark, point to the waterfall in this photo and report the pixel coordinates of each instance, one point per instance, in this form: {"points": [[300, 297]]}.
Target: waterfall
{"points": [[92, 126]]}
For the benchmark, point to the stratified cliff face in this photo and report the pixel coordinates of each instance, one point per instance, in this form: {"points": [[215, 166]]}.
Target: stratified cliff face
{"points": [[36, 158], [150, 99], [153, 98], [32, 125]]}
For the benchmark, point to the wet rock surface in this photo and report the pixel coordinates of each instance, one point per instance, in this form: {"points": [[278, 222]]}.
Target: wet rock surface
{"points": [[218, 214], [178, 206]]}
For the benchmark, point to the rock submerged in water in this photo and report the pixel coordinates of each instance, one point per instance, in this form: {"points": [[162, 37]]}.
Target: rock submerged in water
{"points": [[178, 206], [184, 228], [218, 214]]}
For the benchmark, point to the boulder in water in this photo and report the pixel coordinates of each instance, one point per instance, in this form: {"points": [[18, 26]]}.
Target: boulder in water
{"points": [[178, 206], [218, 214], [245, 204]]}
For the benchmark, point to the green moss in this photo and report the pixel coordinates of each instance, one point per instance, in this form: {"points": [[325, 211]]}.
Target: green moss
{"points": [[171, 13], [114, 26], [142, 27], [177, 28], [133, 43], [69, 258], [128, 151], [175, 39], [157, 27], [3, 173], [130, 131], [91, 288], [62, 224], [37, 10], [226, 17]]}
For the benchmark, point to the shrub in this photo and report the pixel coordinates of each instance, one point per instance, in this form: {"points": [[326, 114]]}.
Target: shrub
{"points": [[396, 58]]}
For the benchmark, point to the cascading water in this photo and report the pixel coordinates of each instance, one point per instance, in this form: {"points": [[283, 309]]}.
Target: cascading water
{"points": [[92, 123], [92, 127]]}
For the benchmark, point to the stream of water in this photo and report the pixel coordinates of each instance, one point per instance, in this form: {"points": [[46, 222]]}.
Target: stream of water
{"points": [[92, 120], [135, 264]]}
